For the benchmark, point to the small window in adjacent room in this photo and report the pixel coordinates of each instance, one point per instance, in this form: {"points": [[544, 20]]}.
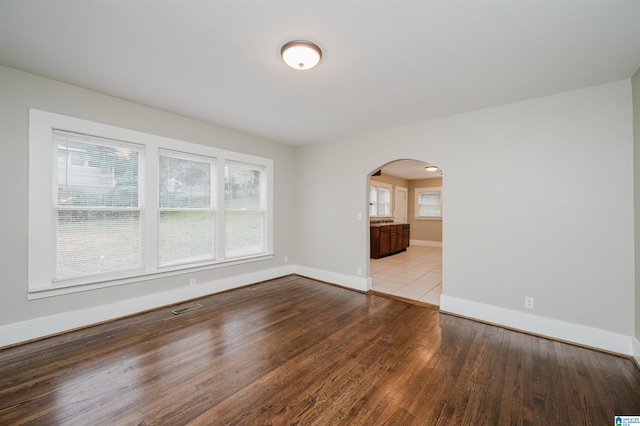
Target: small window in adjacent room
{"points": [[428, 203], [379, 199]]}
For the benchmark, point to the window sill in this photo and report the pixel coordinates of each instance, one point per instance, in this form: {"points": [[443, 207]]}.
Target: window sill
{"points": [[61, 289], [428, 218]]}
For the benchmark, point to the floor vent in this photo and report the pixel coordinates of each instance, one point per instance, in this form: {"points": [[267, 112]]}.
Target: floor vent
{"points": [[189, 308]]}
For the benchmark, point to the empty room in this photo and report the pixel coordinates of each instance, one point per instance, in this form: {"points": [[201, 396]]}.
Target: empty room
{"points": [[319, 212]]}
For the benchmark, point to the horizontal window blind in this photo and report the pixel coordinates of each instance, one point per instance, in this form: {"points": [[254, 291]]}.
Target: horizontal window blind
{"points": [[429, 203], [97, 222]]}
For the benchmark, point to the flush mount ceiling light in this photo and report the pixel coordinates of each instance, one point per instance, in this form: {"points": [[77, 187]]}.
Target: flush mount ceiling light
{"points": [[301, 54], [431, 168]]}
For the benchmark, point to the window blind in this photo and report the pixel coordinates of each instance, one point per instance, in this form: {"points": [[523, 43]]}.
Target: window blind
{"points": [[97, 220]]}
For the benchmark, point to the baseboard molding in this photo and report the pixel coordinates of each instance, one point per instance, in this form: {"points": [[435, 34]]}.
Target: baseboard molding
{"points": [[425, 243], [555, 329], [636, 350], [36, 328], [349, 281]]}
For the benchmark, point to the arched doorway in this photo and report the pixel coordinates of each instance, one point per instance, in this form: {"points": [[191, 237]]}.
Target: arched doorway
{"points": [[405, 192]]}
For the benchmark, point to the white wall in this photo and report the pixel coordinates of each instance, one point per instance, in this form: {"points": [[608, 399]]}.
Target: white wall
{"points": [[530, 212], [21, 319]]}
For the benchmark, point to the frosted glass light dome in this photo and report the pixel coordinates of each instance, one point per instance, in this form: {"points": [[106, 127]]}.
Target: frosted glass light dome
{"points": [[301, 54]]}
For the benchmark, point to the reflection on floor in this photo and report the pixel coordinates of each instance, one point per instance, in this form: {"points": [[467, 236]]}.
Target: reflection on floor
{"points": [[414, 274]]}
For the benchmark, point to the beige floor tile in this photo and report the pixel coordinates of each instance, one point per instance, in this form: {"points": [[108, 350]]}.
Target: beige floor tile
{"points": [[392, 285], [430, 277], [384, 274], [420, 269], [425, 287], [432, 297], [409, 293], [385, 288], [413, 274]]}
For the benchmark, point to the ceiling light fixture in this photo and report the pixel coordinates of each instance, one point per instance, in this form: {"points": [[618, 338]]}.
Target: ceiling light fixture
{"points": [[431, 168], [301, 54]]}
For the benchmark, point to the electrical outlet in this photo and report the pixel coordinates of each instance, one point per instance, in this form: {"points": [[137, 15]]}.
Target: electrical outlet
{"points": [[359, 271], [286, 259], [359, 216], [528, 302], [192, 282]]}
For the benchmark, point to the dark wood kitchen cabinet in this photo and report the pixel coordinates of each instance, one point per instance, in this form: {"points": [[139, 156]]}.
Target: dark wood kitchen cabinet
{"points": [[388, 239]]}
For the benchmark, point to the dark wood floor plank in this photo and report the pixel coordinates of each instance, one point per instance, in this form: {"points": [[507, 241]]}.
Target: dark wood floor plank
{"points": [[296, 351], [444, 400], [396, 361], [250, 354], [383, 398], [515, 399], [291, 382], [324, 371]]}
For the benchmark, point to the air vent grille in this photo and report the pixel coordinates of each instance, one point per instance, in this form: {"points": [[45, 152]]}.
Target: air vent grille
{"points": [[185, 309]]}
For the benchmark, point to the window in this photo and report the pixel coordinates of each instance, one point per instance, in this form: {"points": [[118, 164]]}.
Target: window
{"points": [[244, 209], [186, 228], [96, 220], [111, 206], [379, 199], [428, 203]]}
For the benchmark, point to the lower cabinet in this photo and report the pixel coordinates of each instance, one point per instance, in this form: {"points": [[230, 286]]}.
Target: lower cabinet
{"points": [[389, 239]]}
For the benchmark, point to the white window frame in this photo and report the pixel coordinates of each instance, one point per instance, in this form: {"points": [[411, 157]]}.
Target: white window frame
{"points": [[261, 210], [56, 207], [212, 207], [377, 185], [41, 163], [416, 201]]}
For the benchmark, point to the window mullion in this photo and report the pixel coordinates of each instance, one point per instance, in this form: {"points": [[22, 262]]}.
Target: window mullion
{"points": [[220, 210], [150, 205]]}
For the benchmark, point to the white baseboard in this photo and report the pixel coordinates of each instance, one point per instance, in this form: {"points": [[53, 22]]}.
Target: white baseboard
{"points": [[45, 326], [556, 329], [636, 350], [349, 281], [425, 243]]}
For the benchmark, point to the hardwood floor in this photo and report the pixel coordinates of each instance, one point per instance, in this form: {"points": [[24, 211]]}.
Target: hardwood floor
{"points": [[296, 351]]}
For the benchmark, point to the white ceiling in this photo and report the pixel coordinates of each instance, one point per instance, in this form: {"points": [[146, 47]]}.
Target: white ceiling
{"points": [[410, 170], [385, 63]]}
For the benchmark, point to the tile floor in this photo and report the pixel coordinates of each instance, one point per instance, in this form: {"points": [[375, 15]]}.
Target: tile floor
{"points": [[413, 274]]}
